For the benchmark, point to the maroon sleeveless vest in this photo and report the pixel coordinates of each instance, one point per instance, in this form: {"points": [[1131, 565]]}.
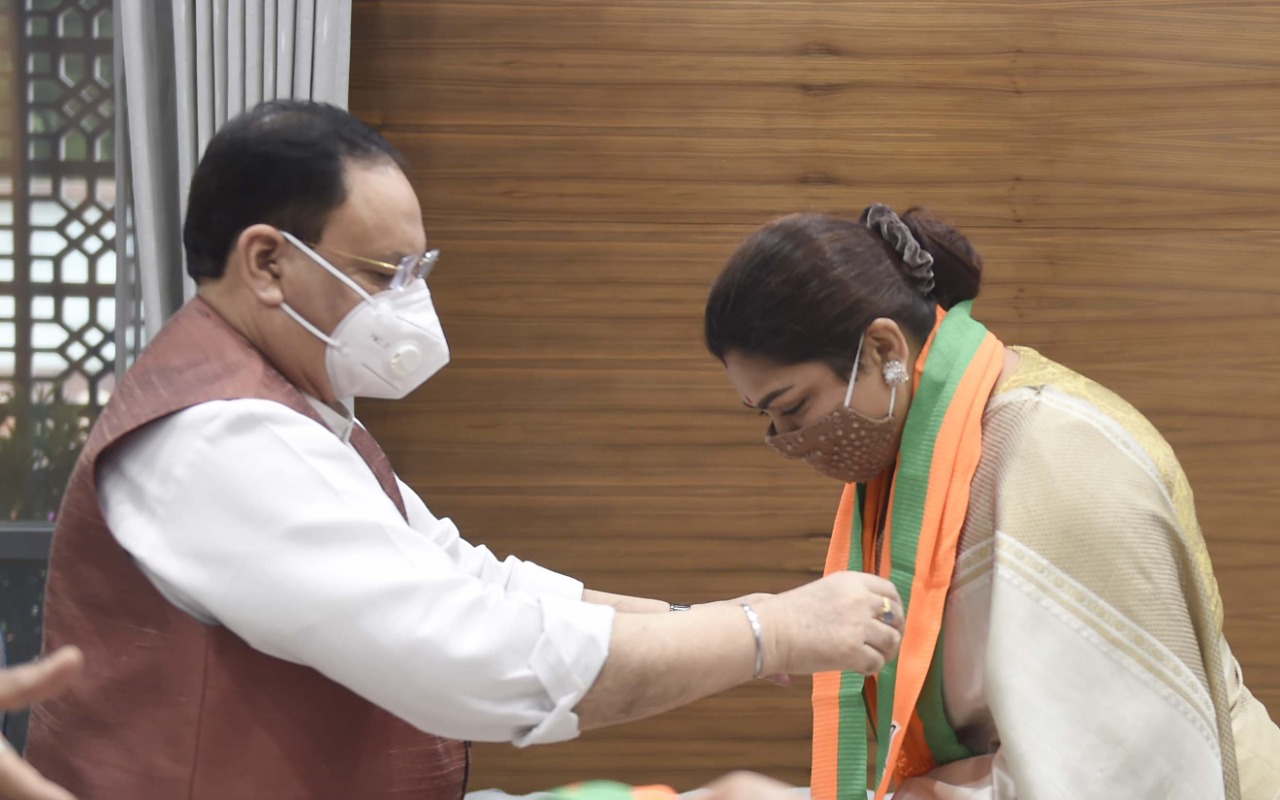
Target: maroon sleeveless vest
{"points": [[170, 708]]}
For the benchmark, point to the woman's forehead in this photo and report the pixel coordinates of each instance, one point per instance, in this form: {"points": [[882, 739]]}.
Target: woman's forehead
{"points": [[756, 377]]}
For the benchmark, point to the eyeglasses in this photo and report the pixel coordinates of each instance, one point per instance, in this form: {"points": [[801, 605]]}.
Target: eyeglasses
{"points": [[408, 269]]}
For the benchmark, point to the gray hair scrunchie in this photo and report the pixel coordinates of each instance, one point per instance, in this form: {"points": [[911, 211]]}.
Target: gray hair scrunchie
{"points": [[892, 229]]}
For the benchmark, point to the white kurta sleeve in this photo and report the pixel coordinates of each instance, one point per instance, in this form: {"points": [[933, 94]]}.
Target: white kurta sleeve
{"points": [[252, 516], [478, 560]]}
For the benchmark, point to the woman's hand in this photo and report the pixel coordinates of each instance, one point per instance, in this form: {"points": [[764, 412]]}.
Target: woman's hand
{"points": [[748, 786]]}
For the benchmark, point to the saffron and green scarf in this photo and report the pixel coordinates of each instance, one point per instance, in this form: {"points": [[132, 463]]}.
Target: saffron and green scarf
{"points": [[927, 498]]}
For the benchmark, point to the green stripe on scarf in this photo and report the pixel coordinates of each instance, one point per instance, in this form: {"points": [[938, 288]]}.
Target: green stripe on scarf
{"points": [[851, 769]]}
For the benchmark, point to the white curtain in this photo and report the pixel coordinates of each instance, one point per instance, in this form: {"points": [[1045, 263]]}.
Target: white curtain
{"points": [[183, 68]]}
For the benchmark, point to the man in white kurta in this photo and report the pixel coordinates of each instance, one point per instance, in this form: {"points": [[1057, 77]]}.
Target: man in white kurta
{"points": [[337, 553]]}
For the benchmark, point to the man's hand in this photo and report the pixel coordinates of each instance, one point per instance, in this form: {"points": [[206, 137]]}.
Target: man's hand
{"points": [[835, 623], [20, 687]]}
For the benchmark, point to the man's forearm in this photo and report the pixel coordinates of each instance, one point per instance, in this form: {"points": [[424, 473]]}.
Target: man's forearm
{"points": [[656, 662], [625, 603], [660, 662]]}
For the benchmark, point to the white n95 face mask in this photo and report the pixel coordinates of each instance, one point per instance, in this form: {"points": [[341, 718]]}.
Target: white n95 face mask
{"points": [[385, 347]]}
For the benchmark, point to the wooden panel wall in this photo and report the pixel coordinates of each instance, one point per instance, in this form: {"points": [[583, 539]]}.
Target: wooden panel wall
{"points": [[587, 165]]}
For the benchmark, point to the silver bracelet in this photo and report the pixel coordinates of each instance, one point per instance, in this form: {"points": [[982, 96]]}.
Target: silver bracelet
{"points": [[754, 619]]}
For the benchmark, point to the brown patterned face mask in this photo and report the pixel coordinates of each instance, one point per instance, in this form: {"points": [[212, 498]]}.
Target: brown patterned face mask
{"points": [[846, 444]]}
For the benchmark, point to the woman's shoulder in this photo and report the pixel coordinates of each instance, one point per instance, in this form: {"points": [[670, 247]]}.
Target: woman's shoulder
{"points": [[1036, 371], [1052, 406]]}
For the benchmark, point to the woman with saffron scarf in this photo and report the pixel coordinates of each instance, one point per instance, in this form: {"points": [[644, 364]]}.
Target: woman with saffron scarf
{"points": [[1064, 630]]}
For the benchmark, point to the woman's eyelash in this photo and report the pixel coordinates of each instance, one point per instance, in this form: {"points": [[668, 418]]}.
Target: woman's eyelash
{"points": [[788, 412]]}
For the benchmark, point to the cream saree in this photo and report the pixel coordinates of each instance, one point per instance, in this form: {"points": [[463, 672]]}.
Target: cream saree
{"points": [[1082, 643]]}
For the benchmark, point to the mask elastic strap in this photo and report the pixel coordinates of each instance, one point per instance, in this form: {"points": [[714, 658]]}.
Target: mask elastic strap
{"points": [[848, 394], [331, 269], [316, 332]]}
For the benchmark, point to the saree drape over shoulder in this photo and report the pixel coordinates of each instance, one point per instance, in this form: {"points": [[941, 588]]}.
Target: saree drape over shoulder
{"points": [[1080, 652]]}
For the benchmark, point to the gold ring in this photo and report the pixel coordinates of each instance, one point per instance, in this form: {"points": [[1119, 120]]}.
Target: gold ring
{"points": [[886, 611]]}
